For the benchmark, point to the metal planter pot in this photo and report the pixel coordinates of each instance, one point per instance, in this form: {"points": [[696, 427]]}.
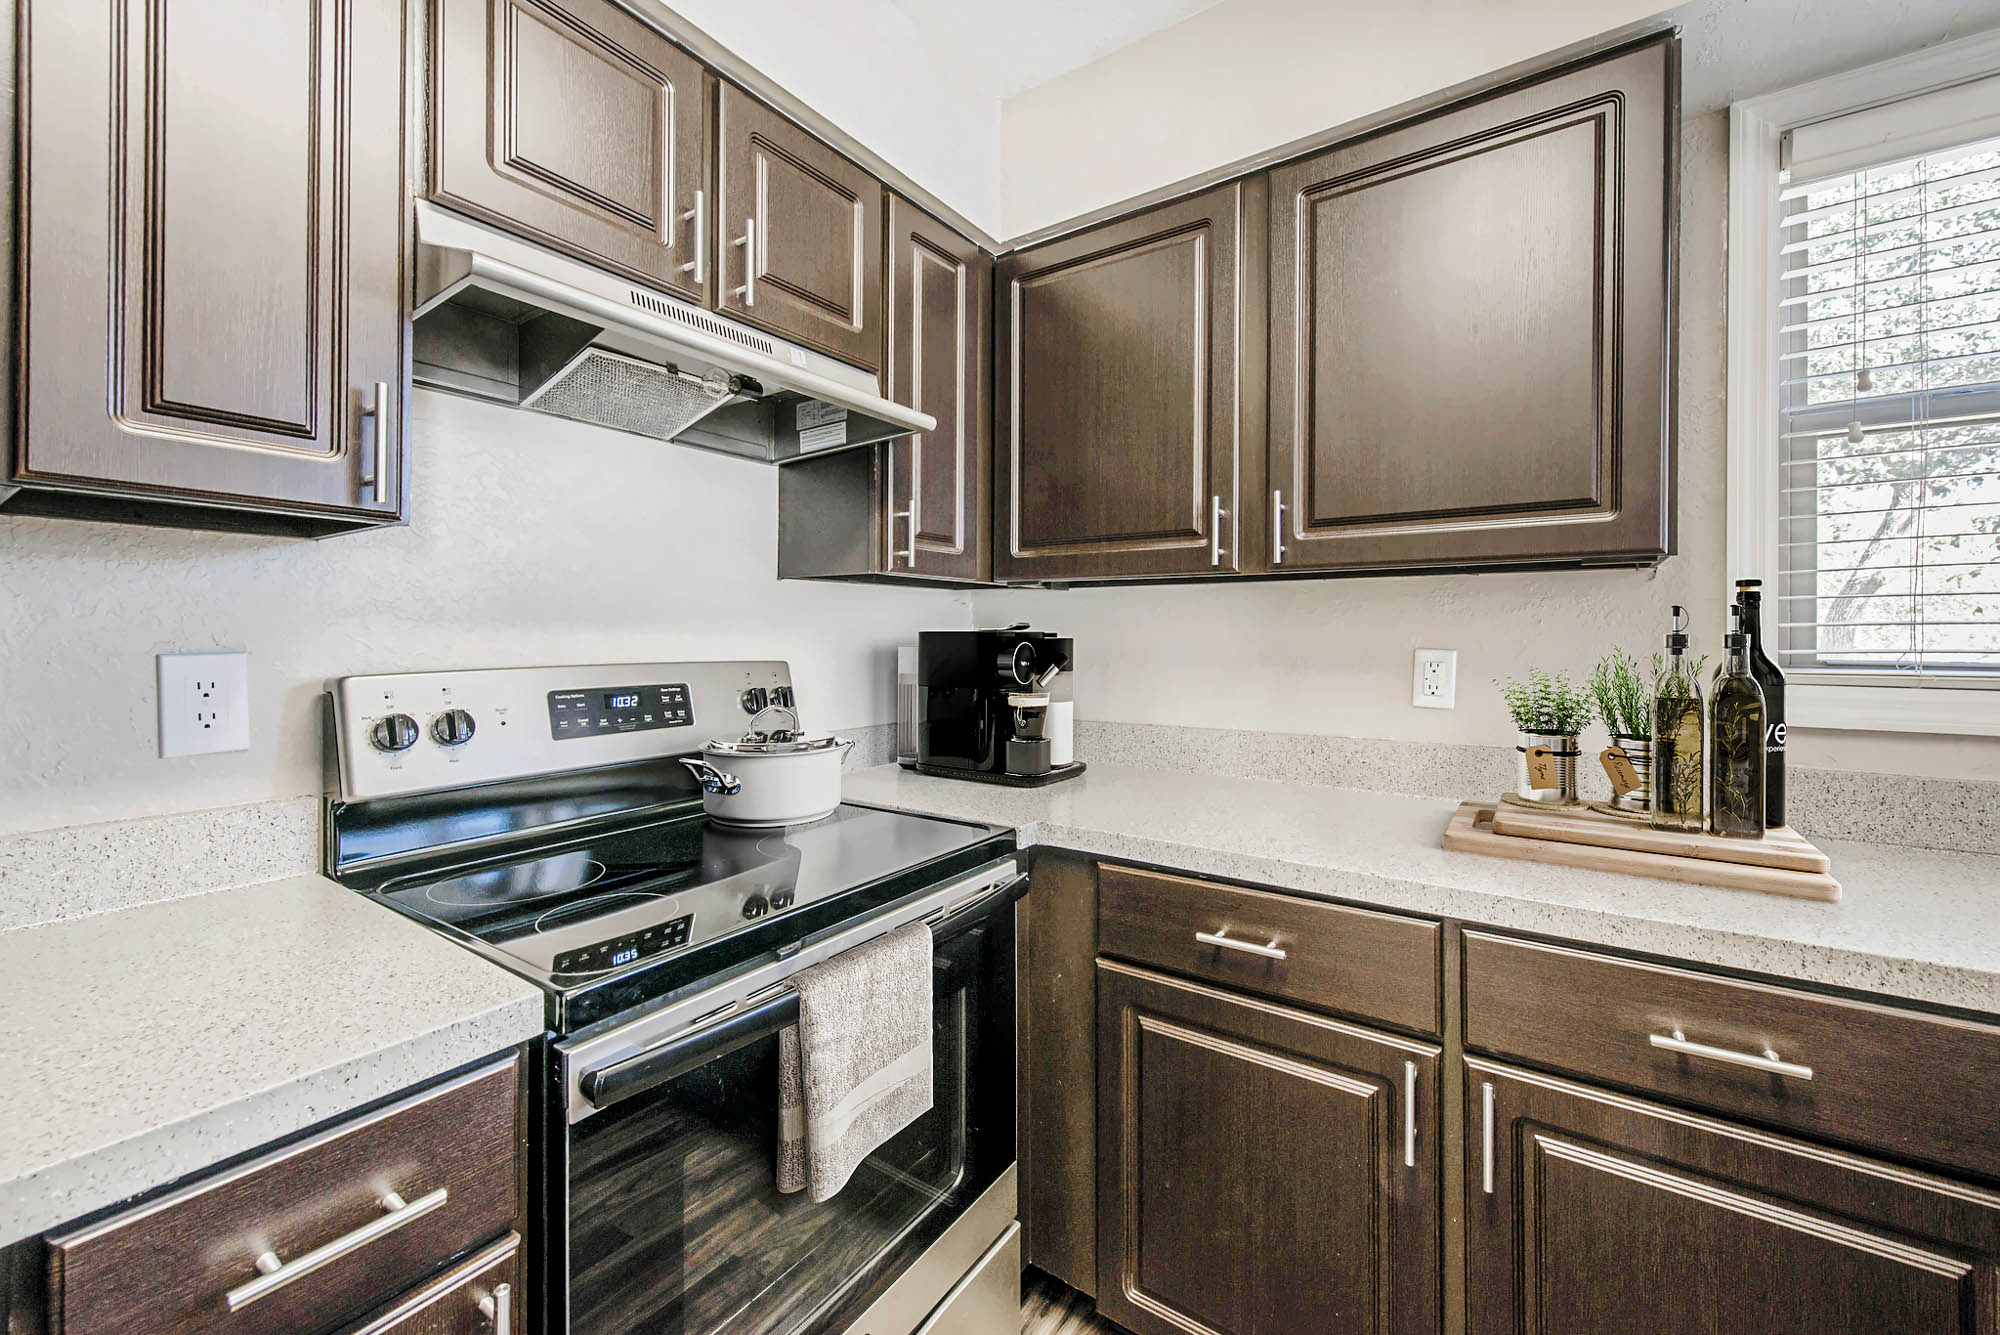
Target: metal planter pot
{"points": [[1638, 750], [1564, 752]]}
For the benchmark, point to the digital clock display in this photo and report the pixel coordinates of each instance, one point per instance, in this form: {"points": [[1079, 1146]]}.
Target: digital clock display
{"points": [[619, 709]]}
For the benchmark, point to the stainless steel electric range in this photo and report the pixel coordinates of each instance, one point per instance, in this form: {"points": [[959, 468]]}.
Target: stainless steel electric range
{"points": [[539, 817]]}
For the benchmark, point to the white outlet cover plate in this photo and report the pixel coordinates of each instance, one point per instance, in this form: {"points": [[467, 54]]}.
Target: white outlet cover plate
{"points": [[204, 703], [1434, 681]]}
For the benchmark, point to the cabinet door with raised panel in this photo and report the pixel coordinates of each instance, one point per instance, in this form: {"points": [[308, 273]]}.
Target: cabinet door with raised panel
{"points": [[1261, 1171], [212, 244], [1590, 1213], [1130, 377], [1471, 330], [940, 322], [577, 125], [800, 231]]}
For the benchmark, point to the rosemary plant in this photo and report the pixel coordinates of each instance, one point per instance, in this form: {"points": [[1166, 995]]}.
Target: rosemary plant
{"points": [[1624, 704], [1546, 703]]}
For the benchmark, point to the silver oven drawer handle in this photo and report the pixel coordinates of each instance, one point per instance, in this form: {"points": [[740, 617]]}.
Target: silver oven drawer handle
{"points": [[498, 1307], [275, 1274], [1271, 952], [1767, 1061]]}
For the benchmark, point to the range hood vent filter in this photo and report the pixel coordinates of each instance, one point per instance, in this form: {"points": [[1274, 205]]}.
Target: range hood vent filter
{"points": [[607, 389]]}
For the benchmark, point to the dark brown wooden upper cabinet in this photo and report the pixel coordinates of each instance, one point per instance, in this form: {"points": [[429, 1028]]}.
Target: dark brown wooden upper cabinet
{"points": [[799, 233], [1471, 330], [577, 125], [940, 517], [1131, 386], [213, 221], [1592, 1211], [920, 507], [1261, 1171]]}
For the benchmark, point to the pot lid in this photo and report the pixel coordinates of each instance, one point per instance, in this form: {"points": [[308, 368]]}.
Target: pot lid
{"points": [[782, 742]]}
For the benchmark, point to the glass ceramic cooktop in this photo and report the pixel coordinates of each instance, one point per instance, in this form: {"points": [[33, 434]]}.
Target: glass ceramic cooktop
{"points": [[582, 912]]}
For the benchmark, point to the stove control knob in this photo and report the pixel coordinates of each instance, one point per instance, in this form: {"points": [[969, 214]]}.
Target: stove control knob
{"points": [[756, 906], [452, 728], [782, 696], [756, 700], [394, 732]]}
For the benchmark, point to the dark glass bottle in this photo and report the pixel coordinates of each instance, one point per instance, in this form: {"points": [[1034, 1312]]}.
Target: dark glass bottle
{"points": [[1736, 745], [1750, 599], [1676, 787]]}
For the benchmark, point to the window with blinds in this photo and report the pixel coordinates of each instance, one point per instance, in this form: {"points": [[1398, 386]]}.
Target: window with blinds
{"points": [[1889, 340]]}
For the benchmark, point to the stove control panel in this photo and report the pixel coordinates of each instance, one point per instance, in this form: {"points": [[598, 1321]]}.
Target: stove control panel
{"points": [[593, 712], [619, 951], [419, 732]]}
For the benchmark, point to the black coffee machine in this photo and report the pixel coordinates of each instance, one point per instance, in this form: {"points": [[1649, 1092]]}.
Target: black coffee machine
{"points": [[994, 705]]}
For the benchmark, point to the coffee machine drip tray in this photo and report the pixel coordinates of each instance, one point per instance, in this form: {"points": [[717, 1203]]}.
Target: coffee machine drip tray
{"points": [[1001, 777]]}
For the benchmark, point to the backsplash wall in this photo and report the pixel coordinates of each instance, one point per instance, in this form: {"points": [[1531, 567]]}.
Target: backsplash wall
{"points": [[1333, 656], [532, 540]]}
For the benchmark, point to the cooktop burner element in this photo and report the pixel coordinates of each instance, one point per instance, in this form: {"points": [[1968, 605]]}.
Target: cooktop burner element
{"points": [[517, 882]]}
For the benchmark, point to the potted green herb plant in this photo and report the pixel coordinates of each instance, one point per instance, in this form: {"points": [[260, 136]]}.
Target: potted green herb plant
{"points": [[1550, 710], [1624, 702]]}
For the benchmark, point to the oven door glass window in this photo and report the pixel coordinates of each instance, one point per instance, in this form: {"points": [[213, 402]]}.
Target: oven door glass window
{"points": [[675, 1223]]}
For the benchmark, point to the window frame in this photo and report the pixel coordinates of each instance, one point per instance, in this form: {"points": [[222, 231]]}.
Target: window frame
{"points": [[1756, 130]]}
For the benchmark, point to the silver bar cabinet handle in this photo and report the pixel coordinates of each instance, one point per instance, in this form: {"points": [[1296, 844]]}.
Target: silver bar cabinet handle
{"points": [[1486, 1134], [698, 266], [374, 414], [1278, 526], [1215, 514], [1271, 952], [749, 243], [498, 1307], [909, 553], [1769, 1061], [274, 1274], [1409, 1114]]}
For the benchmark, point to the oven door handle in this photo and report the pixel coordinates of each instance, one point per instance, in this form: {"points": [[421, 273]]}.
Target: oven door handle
{"points": [[635, 1075]]}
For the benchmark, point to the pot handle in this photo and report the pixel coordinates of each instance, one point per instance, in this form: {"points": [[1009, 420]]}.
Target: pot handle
{"points": [[712, 779]]}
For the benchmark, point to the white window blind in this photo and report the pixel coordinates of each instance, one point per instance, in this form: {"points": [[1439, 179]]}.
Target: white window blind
{"points": [[1889, 399]]}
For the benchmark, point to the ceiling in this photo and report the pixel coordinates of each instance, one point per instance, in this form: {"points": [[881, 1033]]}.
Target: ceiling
{"points": [[1013, 46]]}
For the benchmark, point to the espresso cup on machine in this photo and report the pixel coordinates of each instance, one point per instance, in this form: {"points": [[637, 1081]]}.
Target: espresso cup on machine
{"points": [[1028, 746]]}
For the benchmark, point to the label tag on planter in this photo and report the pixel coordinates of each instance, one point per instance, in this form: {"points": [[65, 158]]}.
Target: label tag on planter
{"points": [[1618, 767], [1542, 768]]}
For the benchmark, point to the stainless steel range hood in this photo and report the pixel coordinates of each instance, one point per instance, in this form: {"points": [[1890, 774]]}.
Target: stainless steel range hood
{"points": [[503, 319]]}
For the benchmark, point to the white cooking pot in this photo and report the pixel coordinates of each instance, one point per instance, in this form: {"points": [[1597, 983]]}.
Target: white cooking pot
{"points": [[770, 779]]}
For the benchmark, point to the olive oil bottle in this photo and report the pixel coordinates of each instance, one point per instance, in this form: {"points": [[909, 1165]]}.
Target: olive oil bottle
{"points": [[1736, 744], [1677, 728]]}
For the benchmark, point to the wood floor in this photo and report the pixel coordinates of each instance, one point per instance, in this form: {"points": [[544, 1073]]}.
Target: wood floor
{"points": [[1050, 1307]]}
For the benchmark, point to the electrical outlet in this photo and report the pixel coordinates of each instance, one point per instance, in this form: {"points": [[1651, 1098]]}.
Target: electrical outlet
{"points": [[1435, 682], [204, 703]]}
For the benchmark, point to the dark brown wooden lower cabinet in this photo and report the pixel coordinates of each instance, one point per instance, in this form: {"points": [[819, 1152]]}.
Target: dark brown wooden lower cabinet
{"points": [[1261, 1171], [1590, 1213]]}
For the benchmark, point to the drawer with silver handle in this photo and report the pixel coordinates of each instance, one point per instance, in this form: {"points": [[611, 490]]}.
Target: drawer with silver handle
{"points": [[1910, 1084], [480, 1297], [335, 1225], [1379, 966]]}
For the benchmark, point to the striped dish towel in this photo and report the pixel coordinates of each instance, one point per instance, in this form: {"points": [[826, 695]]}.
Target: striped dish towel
{"points": [[856, 1068]]}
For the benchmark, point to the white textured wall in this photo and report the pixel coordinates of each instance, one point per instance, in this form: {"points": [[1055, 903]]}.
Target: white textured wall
{"points": [[865, 66], [1249, 75], [1333, 656], [533, 540]]}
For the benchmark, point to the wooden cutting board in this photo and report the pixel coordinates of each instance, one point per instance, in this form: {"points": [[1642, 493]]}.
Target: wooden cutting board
{"points": [[1471, 831], [1784, 847]]}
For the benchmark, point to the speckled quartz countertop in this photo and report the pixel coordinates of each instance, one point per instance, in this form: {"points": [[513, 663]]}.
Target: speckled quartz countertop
{"points": [[142, 1045], [1911, 923]]}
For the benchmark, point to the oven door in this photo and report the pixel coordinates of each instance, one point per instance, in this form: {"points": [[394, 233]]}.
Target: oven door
{"points": [[665, 1204]]}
